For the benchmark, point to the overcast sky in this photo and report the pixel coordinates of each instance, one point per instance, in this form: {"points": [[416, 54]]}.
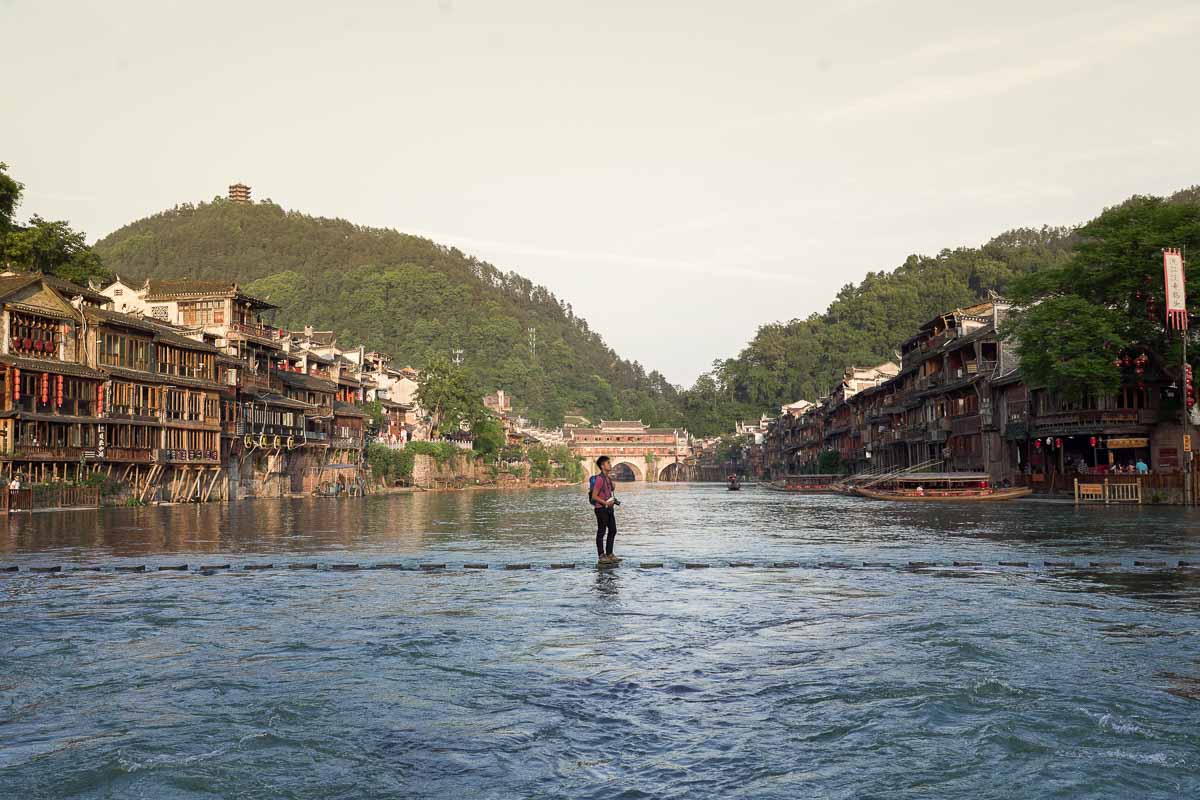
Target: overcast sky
{"points": [[679, 172]]}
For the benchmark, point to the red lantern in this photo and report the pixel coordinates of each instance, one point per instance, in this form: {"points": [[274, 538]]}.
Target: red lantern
{"points": [[58, 392], [45, 387], [1092, 441], [1058, 444], [100, 400], [1037, 444], [28, 343], [16, 384]]}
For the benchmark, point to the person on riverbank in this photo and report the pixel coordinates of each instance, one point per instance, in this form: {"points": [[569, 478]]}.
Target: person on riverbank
{"points": [[604, 501]]}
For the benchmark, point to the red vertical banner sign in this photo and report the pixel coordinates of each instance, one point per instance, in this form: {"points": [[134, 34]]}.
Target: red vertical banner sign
{"points": [[1176, 288]]}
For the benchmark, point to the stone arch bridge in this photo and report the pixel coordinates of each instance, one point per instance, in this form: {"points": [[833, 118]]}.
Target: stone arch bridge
{"points": [[638, 452]]}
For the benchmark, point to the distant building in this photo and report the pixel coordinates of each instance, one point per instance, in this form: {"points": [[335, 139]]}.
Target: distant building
{"points": [[498, 403], [239, 193]]}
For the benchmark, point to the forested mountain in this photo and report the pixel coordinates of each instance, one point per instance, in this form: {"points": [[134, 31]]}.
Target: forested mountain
{"points": [[399, 294]]}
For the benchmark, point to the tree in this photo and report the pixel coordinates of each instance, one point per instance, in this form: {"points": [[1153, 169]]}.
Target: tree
{"points": [[449, 396], [489, 437], [1071, 347], [375, 418], [10, 198], [1075, 320], [49, 247], [829, 462]]}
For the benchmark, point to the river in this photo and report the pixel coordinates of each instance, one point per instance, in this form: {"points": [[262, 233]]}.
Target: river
{"points": [[732, 682]]}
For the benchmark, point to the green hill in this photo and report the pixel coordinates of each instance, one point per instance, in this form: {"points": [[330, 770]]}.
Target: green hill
{"points": [[399, 294], [865, 323]]}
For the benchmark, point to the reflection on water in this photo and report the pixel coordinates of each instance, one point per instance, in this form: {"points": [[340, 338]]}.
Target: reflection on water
{"points": [[601, 683]]}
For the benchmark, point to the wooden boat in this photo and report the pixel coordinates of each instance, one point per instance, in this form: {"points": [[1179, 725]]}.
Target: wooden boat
{"points": [[734, 484], [808, 484], [941, 487]]}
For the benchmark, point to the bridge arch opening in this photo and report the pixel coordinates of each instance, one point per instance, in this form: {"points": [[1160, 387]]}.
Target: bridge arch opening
{"points": [[673, 472], [624, 471]]}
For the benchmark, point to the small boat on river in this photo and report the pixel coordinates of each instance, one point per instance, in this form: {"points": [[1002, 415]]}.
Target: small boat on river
{"points": [[735, 484], [808, 484], [939, 487]]}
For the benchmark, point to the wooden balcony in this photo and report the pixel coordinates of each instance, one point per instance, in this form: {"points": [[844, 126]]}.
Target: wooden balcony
{"points": [[131, 454], [44, 453], [257, 332]]}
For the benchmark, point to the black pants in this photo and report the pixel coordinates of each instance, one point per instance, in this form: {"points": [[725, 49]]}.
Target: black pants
{"points": [[606, 519]]}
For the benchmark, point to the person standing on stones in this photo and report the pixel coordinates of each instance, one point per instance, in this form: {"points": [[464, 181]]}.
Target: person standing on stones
{"points": [[604, 502]]}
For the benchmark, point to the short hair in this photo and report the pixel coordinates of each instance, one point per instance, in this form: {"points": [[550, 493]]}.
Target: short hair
{"points": [[601, 461]]}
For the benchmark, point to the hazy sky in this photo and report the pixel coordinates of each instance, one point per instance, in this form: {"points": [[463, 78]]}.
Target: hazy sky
{"points": [[679, 172]]}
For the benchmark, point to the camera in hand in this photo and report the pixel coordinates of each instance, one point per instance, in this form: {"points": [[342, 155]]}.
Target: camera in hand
{"points": [[616, 502]]}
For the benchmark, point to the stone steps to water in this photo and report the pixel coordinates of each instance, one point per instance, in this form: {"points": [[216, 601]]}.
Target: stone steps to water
{"points": [[60, 570]]}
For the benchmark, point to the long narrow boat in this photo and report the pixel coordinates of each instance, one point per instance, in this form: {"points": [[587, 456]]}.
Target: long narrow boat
{"points": [[941, 487], [808, 484]]}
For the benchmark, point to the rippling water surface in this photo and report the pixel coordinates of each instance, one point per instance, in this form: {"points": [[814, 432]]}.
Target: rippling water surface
{"points": [[746, 682]]}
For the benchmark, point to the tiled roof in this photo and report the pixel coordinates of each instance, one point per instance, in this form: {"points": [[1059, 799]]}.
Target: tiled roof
{"points": [[302, 381], [52, 366], [171, 288], [272, 399], [117, 318], [70, 290], [319, 338], [174, 289], [347, 410], [10, 283]]}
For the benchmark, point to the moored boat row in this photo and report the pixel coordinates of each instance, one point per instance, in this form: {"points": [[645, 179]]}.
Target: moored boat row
{"points": [[913, 486]]}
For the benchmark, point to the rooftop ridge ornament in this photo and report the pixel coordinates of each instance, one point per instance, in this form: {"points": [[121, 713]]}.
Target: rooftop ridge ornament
{"points": [[1175, 285]]}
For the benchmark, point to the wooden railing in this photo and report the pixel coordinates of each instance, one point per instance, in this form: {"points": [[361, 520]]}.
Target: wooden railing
{"points": [[42, 451], [65, 496], [1109, 492], [128, 454], [41, 497]]}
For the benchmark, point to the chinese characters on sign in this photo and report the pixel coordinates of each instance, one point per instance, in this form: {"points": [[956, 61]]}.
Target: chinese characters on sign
{"points": [[1176, 289]]}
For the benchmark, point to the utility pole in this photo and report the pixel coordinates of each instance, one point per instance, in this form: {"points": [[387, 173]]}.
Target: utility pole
{"points": [[533, 342]]}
